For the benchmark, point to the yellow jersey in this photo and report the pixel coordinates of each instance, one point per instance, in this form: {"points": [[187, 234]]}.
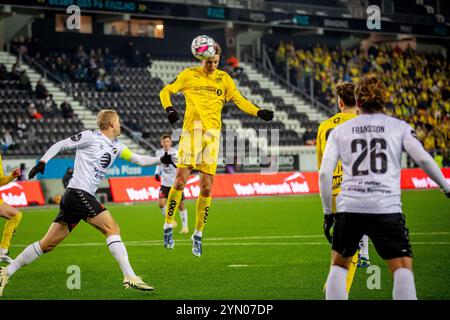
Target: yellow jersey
{"points": [[4, 179], [205, 96], [324, 131]]}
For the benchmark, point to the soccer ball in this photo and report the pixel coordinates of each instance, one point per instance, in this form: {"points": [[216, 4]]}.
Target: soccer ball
{"points": [[203, 47]]}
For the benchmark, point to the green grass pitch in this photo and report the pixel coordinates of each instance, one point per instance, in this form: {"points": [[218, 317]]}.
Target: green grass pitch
{"points": [[254, 248]]}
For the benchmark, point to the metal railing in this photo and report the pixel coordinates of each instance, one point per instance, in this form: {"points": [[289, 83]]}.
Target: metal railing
{"points": [[40, 68]]}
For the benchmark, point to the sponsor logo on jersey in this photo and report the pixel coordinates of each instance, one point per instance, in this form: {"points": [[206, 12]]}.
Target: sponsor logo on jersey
{"points": [[76, 137], [105, 160], [219, 92]]}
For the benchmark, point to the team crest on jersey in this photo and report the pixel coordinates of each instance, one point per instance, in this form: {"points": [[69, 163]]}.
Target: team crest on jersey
{"points": [[114, 150], [219, 92], [337, 120], [76, 137], [105, 160]]}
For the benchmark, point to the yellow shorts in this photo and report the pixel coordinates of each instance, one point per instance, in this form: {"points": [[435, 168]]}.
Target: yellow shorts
{"points": [[1, 201], [198, 151]]}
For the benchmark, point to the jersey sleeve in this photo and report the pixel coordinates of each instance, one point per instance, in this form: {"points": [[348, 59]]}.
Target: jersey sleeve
{"points": [[76, 141], [176, 85], [319, 154], [423, 159], [233, 94], [329, 161]]}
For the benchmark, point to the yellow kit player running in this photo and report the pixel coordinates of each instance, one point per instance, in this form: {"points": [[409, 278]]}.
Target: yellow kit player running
{"points": [[206, 90], [9, 213], [347, 107]]}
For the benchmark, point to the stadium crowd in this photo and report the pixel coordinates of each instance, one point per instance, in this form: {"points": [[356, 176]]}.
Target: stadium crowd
{"points": [[418, 84]]}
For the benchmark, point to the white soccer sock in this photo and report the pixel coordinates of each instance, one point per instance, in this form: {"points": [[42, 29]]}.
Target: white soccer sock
{"points": [[3, 251], [198, 233], [163, 211], [364, 247], [27, 256], [404, 288], [119, 252], [336, 284], [168, 226], [184, 218]]}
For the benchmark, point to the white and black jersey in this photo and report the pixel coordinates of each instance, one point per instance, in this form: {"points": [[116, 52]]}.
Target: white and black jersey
{"points": [[95, 153], [166, 172], [370, 148]]}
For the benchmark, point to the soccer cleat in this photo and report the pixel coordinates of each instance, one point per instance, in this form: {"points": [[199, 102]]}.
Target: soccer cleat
{"points": [[184, 231], [6, 258], [168, 238], [363, 262], [196, 245], [136, 283], [3, 279]]}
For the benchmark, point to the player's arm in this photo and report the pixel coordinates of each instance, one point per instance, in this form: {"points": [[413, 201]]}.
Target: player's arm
{"points": [[7, 179], [319, 154], [173, 87], [423, 159], [329, 161], [158, 171], [79, 140], [233, 94], [144, 161]]}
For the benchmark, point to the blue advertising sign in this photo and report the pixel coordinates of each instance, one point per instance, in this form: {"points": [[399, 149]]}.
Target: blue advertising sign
{"points": [[56, 168]]}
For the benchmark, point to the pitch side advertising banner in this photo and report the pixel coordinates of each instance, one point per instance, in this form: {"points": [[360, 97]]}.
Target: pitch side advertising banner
{"points": [[132, 189], [22, 193]]}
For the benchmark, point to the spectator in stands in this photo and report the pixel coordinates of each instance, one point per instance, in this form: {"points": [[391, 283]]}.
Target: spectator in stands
{"points": [[24, 81], [50, 109], [112, 84], [309, 137], [6, 141], [4, 75], [33, 113], [80, 73], [110, 61], [66, 110], [100, 84], [41, 90], [234, 63], [16, 71], [67, 176]]}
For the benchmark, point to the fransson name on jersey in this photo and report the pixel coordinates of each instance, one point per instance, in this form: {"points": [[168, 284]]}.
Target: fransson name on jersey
{"points": [[167, 172], [370, 147], [95, 154]]}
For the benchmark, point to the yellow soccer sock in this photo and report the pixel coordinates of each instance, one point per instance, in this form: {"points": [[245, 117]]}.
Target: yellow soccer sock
{"points": [[351, 271], [202, 208], [173, 201], [9, 230]]}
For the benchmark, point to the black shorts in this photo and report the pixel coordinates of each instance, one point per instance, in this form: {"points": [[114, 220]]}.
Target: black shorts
{"points": [[77, 205], [388, 232], [164, 193]]}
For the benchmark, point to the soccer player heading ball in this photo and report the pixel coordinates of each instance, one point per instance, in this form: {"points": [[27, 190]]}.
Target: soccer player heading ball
{"points": [[95, 153], [206, 90], [370, 148]]}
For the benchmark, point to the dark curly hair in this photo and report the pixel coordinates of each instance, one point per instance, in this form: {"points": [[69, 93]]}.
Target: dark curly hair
{"points": [[346, 92], [370, 93]]}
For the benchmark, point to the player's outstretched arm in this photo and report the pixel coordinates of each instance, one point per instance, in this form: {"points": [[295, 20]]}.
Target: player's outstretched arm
{"points": [[7, 179], [245, 105], [145, 161], [76, 141], [424, 160]]}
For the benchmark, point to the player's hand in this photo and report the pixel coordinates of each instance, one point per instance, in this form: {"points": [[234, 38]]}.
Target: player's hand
{"points": [[328, 222], [15, 173], [265, 114], [39, 168], [157, 178], [172, 115], [167, 159]]}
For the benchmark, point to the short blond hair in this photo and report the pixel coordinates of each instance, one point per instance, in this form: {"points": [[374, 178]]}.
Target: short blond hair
{"points": [[104, 117]]}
